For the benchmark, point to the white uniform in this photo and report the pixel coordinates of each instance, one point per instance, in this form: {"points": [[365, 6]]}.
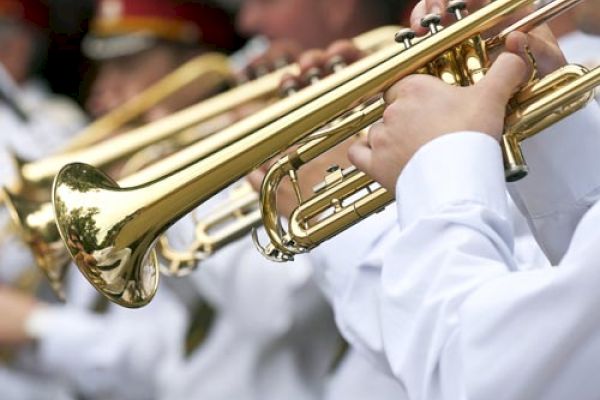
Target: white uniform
{"points": [[51, 120], [581, 48], [119, 354], [357, 378], [116, 355], [273, 335], [456, 316]]}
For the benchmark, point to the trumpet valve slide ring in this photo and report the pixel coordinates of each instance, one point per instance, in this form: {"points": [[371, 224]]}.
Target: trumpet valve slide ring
{"points": [[515, 167]]}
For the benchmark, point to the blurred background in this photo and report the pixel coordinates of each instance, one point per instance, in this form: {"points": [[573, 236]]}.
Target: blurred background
{"points": [[65, 69]]}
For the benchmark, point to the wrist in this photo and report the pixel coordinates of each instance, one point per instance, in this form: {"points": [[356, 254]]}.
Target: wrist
{"points": [[457, 168]]}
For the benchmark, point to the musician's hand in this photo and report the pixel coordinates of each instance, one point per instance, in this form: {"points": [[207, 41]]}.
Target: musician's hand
{"points": [[15, 308], [541, 41], [543, 46], [422, 108], [320, 63], [279, 54]]}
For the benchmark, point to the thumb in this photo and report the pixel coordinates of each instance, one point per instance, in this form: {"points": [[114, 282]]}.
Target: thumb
{"points": [[505, 76]]}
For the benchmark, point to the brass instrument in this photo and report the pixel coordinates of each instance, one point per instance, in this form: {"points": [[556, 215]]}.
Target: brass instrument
{"points": [[117, 148], [35, 220], [239, 214], [110, 231], [106, 262], [222, 225], [348, 196], [209, 72]]}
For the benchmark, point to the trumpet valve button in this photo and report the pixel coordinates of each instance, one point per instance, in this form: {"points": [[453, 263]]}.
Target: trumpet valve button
{"points": [[313, 75], [456, 7], [405, 36], [289, 87], [431, 21], [336, 63]]}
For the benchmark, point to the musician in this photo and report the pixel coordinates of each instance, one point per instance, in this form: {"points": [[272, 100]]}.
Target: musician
{"points": [[460, 315], [314, 24], [35, 121], [266, 317], [135, 43], [294, 26], [98, 350]]}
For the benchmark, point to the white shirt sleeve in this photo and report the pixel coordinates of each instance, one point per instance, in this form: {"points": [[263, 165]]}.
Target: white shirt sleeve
{"points": [[563, 180], [458, 318], [119, 354]]}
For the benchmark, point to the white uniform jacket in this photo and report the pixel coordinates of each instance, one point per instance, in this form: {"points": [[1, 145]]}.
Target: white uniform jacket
{"points": [[116, 355], [452, 313], [273, 335]]}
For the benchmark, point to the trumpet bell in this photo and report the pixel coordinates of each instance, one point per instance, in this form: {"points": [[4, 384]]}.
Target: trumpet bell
{"points": [[35, 224], [99, 238]]}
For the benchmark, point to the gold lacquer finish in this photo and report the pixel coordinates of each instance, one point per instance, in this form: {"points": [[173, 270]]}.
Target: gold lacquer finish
{"points": [[209, 72], [32, 223], [33, 219], [110, 232], [213, 233], [113, 249], [542, 104], [222, 225], [348, 196]]}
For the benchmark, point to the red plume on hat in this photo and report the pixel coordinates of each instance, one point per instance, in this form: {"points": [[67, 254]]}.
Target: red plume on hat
{"points": [[34, 12], [180, 21]]}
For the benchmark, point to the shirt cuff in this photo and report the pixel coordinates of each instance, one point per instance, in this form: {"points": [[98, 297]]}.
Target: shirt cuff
{"points": [[37, 323], [458, 168], [48, 320]]}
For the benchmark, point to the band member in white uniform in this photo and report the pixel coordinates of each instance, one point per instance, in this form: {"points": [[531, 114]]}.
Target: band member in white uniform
{"points": [[272, 329], [456, 314], [103, 351], [34, 123]]}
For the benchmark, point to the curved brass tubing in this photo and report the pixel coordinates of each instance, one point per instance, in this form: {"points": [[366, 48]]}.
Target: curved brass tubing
{"points": [[110, 231]]}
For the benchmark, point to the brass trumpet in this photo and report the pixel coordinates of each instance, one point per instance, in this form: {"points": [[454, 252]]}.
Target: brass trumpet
{"points": [[35, 221], [118, 268], [110, 231], [132, 141], [210, 72], [348, 196], [222, 225]]}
